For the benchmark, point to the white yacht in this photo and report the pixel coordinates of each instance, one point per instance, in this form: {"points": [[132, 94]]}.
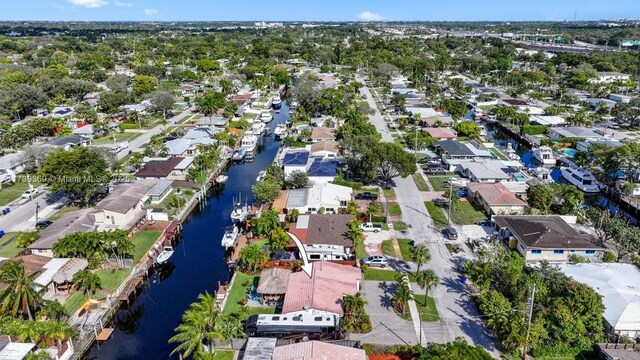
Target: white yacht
{"points": [[511, 152], [542, 173], [221, 179], [230, 236], [266, 116], [166, 253], [249, 141], [240, 210], [544, 155], [258, 128], [261, 176], [280, 131], [581, 178], [276, 102]]}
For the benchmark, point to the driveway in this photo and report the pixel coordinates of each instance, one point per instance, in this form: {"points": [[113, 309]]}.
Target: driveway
{"points": [[373, 241], [387, 327]]}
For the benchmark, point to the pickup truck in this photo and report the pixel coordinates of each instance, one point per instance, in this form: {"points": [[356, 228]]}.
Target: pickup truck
{"points": [[370, 227], [116, 148]]}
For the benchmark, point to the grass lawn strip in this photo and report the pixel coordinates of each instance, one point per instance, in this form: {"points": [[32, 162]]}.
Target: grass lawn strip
{"points": [[74, 302], [9, 193], [438, 182], [224, 355], [380, 275], [238, 291], [420, 183], [112, 279], [464, 213], [394, 209], [142, 242], [387, 248], [406, 249], [10, 249], [390, 194], [436, 214], [399, 225], [428, 312]]}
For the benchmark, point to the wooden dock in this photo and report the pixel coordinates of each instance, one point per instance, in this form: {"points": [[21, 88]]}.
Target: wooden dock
{"points": [[242, 242], [130, 289]]}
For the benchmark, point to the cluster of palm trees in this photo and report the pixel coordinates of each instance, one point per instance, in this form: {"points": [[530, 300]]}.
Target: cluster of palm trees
{"points": [[201, 325], [94, 246], [22, 134], [427, 279], [355, 319]]}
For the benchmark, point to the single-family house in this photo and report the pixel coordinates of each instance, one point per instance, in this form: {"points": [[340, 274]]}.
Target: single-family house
{"points": [[326, 237], [173, 168], [321, 171], [323, 291], [452, 149], [295, 161], [123, 207], [329, 197], [608, 77], [442, 133], [617, 283], [62, 111], [13, 162], [76, 221], [273, 285], [547, 120], [140, 108], [484, 171], [551, 238], [594, 102], [69, 142], [495, 198], [317, 350], [573, 132], [321, 133], [620, 98], [324, 149]]}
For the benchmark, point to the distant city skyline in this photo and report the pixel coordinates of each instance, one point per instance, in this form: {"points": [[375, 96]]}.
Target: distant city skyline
{"points": [[326, 10]]}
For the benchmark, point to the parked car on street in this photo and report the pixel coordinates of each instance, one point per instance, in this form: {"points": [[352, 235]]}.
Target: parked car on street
{"points": [[29, 194], [376, 261], [451, 233], [43, 224], [370, 227], [433, 170], [366, 196]]}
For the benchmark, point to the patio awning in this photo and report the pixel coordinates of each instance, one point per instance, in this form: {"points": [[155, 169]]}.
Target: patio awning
{"points": [[65, 274]]}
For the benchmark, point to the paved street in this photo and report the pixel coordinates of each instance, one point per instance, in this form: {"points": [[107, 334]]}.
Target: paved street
{"points": [[388, 328], [458, 314]]}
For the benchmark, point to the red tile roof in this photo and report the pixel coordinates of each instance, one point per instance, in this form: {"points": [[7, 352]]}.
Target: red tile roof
{"points": [[442, 133], [324, 291], [495, 194], [317, 350]]}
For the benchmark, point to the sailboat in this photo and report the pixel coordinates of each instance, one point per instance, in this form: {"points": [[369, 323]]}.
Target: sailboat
{"points": [[240, 211], [166, 253]]}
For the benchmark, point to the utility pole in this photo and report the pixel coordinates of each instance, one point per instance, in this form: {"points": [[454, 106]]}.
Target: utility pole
{"points": [[531, 300], [450, 200]]}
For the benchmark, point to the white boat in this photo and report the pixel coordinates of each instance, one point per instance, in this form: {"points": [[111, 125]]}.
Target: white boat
{"points": [[249, 141], [581, 178], [511, 152], [544, 155], [261, 176], [230, 236], [166, 253], [266, 116], [239, 154], [276, 102], [258, 127], [280, 131], [294, 105], [240, 211], [221, 179], [542, 173]]}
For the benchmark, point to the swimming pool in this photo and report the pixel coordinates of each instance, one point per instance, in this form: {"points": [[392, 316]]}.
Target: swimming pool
{"points": [[302, 127], [569, 152], [519, 176]]}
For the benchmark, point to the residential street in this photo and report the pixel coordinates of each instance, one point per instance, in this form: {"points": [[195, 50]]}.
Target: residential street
{"points": [[458, 314]]}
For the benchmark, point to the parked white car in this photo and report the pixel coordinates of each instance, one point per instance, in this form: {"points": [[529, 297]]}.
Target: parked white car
{"points": [[29, 194], [370, 227]]}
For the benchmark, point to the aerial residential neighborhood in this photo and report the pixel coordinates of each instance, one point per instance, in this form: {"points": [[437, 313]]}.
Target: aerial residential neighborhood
{"points": [[318, 181]]}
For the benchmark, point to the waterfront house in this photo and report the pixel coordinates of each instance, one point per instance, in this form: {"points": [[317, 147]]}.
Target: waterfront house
{"points": [[273, 285], [69, 142], [317, 350], [324, 149], [551, 238], [321, 133], [322, 171], [57, 274], [547, 120], [495, 199], [323, 291], [76, 221], [442, 133], [608, 77], [173, 168], [452, 149], [484, 171], [560, 133], [617, 283], [329, 197], [123, 207], [141, 107], [326, 237], [295, 161], [12, 349]]}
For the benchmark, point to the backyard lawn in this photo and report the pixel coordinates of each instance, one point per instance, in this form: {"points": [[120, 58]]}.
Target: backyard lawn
{"points": [[406, 249], [112, 279], [394, 209], [74, 302], [465, 213], [9, 248], [142, 242], [224, 355], [428, 311], [9, 193], [120, 136], [238, 291], [436, 214], [420, 183], [438, 182]]}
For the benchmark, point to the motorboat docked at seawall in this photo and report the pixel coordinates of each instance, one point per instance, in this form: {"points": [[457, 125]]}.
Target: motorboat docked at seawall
{"points": [[221, 179], [542, 173], [544, 155], [276, 103], [266, 116], [261, 176], [280, 131], [581, 178], [258, 128], [164, 255], [293, 106], [239, 154], [230, 236], [249, 141], [240, 211]]}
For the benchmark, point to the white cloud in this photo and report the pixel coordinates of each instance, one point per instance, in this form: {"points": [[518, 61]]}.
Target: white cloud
{"points": [[122, 4], [150, 12], [369, 16], [89, 3]]}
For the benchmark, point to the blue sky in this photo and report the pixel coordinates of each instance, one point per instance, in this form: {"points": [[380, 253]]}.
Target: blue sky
{"points": [[318, 10]]}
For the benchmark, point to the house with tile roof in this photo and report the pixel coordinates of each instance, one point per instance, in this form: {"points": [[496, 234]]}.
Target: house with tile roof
{"points": [[173, 168], [324, 149], [321, 133], [323, 291], [317, 350], [495, 199], [551, 238], [439, 133]]}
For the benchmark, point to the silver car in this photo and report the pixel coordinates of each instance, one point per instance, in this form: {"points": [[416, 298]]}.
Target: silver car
{"points": [[376, 261]]}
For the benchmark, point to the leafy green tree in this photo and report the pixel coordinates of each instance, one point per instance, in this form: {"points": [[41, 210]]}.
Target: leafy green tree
{"points": [[457, 109], [20, 296], [266, 190], [251, 257], [118, 83], [52, 310], [541, 197], [297, 180], [144, 84], [393, 161], [87, 113], [265, 223], [208, 65], [353, 232], [459, 349], [80, 172], [110, 101], [26, 238], [278, 238], [87, 282], [468, 129]]}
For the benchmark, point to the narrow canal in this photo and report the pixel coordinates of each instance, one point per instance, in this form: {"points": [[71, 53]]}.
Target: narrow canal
{"points": [[142, 331]]}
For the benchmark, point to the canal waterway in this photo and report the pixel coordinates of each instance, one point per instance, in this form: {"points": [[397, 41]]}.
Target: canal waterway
{"points": [[143, 329]]}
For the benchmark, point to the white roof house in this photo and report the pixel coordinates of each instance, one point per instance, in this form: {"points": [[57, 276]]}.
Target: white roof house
{"points": [[619, 286], [329, 196], [548, 120]]}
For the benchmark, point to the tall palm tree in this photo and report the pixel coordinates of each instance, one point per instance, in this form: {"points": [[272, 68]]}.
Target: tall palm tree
{"points": [[354, 306], [207, 307], [58, 331], [87, 281], [401, 296], [190, 334], [231, 327], [21, 294], [427, 279], [421, 255]]}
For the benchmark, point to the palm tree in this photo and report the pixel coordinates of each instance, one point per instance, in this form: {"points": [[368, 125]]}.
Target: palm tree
{"points": [[353, 305], [401, 296], [354, 233], [231, 327], [189, 334], [52, 310], [427, 279], [208, 105], [87, 281], [293, 215], [207, 307], [421, 255], [58, 331], [21, 294]]}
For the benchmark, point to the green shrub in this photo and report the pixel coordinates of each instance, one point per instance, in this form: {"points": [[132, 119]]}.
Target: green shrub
{"points": [[126, 126], [609, 257], [534, 129]]}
